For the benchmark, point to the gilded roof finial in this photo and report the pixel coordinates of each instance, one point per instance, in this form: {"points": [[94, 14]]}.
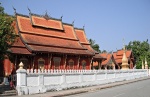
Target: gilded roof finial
{"points": [[124, 47]]}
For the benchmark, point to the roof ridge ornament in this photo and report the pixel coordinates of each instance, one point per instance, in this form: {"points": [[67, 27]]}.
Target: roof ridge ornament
{"points": [[61, 17], [112, 52], [73, 22], [83, 26], [14, 9], [46, 16], [29, 10]]}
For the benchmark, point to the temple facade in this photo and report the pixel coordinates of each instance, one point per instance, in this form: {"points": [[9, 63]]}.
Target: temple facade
{"points": [[118, 56], [114, 60], [44, 42]]}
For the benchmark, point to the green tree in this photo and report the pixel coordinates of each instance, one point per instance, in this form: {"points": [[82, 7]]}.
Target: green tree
{"points": [[96, 47], [7, 36], [141, 50], [104, 51]]}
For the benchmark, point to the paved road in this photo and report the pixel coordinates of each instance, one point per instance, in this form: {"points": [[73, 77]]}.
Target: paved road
{"points": [[136, 89]]}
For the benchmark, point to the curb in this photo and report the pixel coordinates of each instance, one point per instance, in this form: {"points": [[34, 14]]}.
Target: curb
{"points": [[101, 87]]}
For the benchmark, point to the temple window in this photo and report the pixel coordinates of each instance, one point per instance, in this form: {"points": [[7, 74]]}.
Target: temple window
{"points": [[56, 62], [71, 64], [25, 63], [83, 64], [41, 63]]}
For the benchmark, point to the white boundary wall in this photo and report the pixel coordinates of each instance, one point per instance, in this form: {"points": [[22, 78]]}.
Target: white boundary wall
{"points": [[43, 81]]}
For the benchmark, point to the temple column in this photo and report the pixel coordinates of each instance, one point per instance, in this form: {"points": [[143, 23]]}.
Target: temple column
{"points": [[118, 67], [113, 66], [65, 61], [90, 60], [30, 64], [16, 63], [99, 67], [105, 67], [78, 63], [92, 65], [50, 61], [33, 62]]}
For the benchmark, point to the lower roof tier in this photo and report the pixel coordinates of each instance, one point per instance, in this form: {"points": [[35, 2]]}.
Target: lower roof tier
{"points": [[20, 50], [35, 48]]}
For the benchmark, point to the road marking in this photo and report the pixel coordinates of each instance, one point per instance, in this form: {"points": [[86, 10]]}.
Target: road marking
{"points": [[119, 95]]}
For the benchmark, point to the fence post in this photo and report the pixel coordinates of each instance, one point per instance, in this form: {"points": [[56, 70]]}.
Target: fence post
{"points": [[21, 81], [63, 81]]}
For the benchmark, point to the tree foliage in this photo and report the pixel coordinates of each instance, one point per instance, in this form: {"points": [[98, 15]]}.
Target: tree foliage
{"points": [[141, 50], [7, 36], [104, 51], [96, 47]]}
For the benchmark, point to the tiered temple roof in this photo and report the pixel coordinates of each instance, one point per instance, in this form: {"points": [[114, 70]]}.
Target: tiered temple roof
{"points": [[39, 34], [108, 58], [85, 43], [119, 54]]}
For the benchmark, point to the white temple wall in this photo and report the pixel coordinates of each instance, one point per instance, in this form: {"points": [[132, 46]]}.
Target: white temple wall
{"points": [[51, 80]]}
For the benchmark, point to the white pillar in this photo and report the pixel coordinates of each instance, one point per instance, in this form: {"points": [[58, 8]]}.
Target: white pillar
{"points": [[21, 77], [21, 81]]}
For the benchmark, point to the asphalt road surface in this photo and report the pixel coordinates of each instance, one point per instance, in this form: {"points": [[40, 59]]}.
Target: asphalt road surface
{"points": [[136, 89]]}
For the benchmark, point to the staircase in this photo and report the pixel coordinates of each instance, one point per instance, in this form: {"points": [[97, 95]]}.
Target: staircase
{"points": [[6, 91]]}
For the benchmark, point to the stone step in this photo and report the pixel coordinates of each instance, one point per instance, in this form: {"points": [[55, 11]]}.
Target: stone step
{"points": [[8, 93]]}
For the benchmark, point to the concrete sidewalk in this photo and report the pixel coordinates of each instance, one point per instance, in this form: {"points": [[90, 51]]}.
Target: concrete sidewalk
{"points": [[82, 90]]}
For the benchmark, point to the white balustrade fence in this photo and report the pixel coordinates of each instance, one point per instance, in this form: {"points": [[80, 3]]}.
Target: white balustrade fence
{"points": [[29, 82]]}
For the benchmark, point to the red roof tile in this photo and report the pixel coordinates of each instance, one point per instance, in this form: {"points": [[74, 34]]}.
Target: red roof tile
{"points": [[50, 41], [42, 39], [119, 54], [19, 48], [108, 58], [84, 41], [59, 50], [50, 23], [81, 36], [18, 43], [24, 25]]}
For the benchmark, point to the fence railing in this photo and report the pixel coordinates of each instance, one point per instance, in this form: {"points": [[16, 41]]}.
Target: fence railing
{"points": [[51, 71]]}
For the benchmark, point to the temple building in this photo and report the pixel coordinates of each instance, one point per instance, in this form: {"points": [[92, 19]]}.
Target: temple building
{"points": [[44, 42], [118, 56], [107, 64], [85, 43]]}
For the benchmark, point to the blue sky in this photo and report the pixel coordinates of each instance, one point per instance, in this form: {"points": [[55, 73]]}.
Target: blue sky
{"points": [[106, 21]]}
